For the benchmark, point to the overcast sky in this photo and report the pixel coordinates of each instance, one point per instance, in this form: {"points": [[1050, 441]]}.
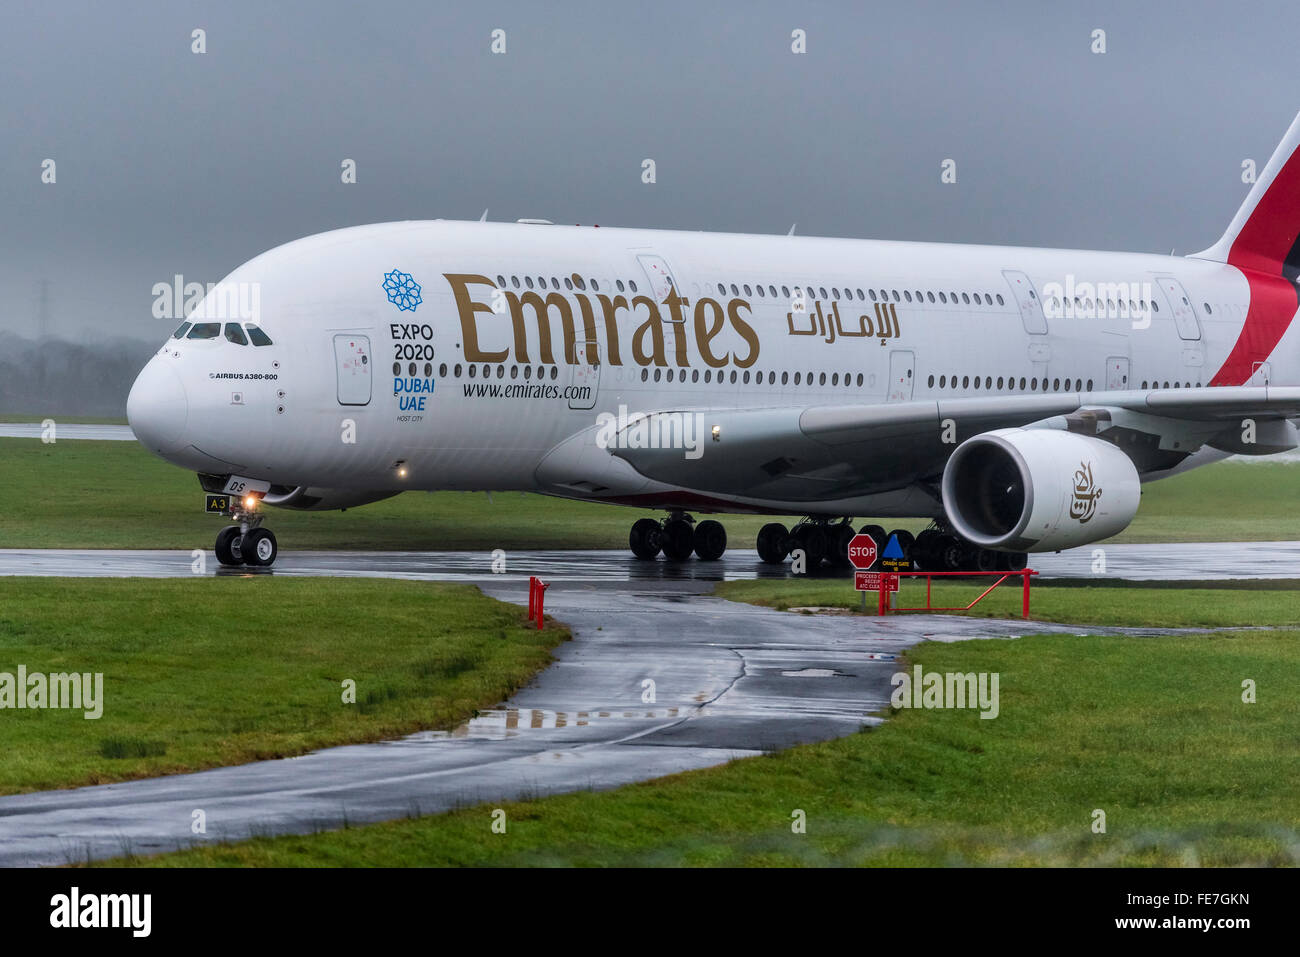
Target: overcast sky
{"points": [[173, 162]]}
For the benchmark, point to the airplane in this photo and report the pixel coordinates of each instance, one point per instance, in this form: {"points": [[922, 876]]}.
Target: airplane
{"points": [[1017, 397]]}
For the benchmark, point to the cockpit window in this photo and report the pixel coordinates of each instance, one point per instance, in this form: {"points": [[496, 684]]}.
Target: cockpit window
{"points": [[235, 334], [259, 337], [183, 328], [205, 330]]}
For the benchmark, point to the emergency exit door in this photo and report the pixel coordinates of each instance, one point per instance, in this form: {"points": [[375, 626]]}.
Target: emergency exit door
{"points": [[352, 367], [902, 371]]}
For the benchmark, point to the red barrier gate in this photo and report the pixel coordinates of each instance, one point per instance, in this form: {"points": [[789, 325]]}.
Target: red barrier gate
{"points": [[536, 595], [882, 606]]}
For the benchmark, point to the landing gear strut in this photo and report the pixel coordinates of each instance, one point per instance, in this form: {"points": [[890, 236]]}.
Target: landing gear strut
{"points": [[247, 543], [677, 537]]}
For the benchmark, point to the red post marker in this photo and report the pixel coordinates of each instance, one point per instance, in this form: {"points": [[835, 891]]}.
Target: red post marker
{"points": [[541, 595], [532, 597]]}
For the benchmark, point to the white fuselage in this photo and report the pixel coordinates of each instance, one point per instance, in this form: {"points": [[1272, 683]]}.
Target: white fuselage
{"points": [[470, 388]]}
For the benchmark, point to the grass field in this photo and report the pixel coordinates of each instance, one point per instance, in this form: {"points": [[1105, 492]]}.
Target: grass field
{"points": [[1269, 603], [84, 494], [207, 672], [1151, 731]]}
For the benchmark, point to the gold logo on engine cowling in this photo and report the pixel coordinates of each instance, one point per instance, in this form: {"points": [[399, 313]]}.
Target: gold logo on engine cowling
{"points": [[1086, 494]]}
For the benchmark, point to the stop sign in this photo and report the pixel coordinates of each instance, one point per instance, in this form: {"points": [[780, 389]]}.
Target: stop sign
{"points": [[862, 551]]}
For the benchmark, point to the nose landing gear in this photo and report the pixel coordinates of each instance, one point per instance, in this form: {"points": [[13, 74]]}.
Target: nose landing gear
{"points": [[247, 543]]}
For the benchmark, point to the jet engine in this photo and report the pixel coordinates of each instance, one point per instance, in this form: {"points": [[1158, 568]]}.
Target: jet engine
{"points": [[1038, 490]]}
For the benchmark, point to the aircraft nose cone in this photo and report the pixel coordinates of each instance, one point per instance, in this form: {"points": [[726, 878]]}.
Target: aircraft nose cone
{"points": [[157, 407]]}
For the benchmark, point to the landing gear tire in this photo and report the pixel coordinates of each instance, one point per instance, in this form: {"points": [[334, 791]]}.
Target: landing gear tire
{"points": [[644, 538], [227, 548], [877, 533], [985, 560], [259, 548], [840, 536], [811, 537], [1012, 561], [677, 539], [949, 553], [923, 551], [772, 543], [710, 540]]}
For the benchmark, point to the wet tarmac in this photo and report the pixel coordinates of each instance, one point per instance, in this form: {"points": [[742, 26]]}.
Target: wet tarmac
{"points": [[1196, 561], [729, 681]]}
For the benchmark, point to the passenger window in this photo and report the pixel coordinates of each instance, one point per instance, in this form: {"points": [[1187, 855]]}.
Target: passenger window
{"points": [[205, 330], [257, 336], [183, 328], [235, 334]]}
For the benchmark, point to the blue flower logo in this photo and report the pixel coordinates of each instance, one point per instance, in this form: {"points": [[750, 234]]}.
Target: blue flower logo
{"points": [[403, 291]]}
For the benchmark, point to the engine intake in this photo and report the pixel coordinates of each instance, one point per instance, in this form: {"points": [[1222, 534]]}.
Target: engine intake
{"points": [[1039, 490]]}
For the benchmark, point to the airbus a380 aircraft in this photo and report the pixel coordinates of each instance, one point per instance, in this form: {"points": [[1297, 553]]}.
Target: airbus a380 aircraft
{"points": [[1018, 397]]}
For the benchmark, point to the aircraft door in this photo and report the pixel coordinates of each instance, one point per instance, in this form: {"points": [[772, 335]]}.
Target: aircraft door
{"points": [[662, 283], [1026, 298], [659, 275], [584, 379], [902, 369], [1189, 327], [1116, 373], [352, 367]]}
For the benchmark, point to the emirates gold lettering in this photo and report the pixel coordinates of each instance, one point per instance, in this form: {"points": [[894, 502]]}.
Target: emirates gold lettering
{"points": [[532, 333]]}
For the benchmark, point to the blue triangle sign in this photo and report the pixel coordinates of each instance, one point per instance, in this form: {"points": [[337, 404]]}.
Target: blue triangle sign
{"points": [[893, 549]]}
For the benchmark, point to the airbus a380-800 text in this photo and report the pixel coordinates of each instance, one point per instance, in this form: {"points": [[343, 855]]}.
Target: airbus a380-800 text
{"points": [[1017, 397]]}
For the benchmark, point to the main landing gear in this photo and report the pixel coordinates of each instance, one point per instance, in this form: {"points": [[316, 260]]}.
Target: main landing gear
{"points": [[677, 537], [937, 549], [821, 540], [247, 543]]}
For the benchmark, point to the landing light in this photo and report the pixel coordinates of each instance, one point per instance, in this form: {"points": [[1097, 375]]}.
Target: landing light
{"points": [[717, 433], [250, 501]]}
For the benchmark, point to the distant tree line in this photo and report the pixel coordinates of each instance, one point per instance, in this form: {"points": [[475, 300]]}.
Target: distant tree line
{"points": [[59, 377]]}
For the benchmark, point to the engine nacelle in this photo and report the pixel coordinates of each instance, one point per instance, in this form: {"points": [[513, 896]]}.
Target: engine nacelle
{"points": [[1039, 490]]}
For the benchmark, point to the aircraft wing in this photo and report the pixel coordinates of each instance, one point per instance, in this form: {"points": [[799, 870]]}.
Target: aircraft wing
{"points": [[827, 452]]}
